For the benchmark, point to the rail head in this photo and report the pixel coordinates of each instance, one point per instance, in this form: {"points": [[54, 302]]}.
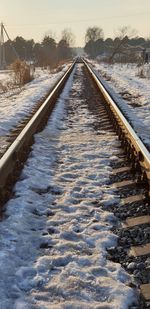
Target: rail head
{"points": [[141, 150]]}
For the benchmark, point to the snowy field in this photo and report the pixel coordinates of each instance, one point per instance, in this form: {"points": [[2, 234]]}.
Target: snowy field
{"points": [[133, 93], [53, 240], [16, 102]]}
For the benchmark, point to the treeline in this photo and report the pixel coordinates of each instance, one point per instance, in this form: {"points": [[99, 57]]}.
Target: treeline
{"points": [[125, 46], [46, 53]]}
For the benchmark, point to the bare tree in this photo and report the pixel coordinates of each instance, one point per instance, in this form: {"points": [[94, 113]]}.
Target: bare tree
{"points": [[93, 39], [126, 31], [124, 34], [68, 36], [94, 34], [51, 34]]}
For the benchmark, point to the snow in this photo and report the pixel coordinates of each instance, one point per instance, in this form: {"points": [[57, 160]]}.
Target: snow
{"points": [[55, 234], [17, 103], [5, 76], [133, 93]]}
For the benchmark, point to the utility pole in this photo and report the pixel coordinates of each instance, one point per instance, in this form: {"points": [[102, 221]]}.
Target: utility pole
{"points": [[2, 48], [13, 48]]}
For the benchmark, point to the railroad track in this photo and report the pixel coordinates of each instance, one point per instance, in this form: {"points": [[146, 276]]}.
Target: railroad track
{"points": [[129, 178], [21, 138]]}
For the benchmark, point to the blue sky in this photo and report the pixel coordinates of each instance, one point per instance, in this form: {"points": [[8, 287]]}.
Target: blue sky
{"points": [[35, 18]]}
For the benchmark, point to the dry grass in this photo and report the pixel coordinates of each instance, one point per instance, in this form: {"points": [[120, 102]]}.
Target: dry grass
{"points": [[22, 72], [144, 71]]}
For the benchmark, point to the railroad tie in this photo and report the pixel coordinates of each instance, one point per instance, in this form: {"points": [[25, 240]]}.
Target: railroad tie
{"points": [[138, 251]]}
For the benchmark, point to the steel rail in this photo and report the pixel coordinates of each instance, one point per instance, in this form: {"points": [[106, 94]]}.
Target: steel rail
{"points": [[10, 157], [141, 154]]}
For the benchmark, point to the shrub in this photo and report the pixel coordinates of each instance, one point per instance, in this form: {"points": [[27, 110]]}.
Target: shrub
{"points": [[22, 72]]}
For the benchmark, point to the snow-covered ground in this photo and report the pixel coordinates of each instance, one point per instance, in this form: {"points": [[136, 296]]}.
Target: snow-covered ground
{"points": [[133, 93], [6, 81], [132, 90], [16, 103], [5, 76], [53, 240]]}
